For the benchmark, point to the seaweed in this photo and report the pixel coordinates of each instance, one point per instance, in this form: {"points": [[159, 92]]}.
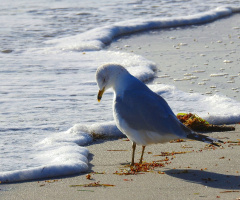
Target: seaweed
{"points": [[196, 123], [94, 184]]}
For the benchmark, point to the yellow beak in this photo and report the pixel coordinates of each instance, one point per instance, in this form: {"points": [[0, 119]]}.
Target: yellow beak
{"points": [[100, 93]]}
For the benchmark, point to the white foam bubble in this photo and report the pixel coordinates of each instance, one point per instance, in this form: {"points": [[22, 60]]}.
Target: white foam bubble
{"points": [[62, 153], [96, 39], [216, 109]]}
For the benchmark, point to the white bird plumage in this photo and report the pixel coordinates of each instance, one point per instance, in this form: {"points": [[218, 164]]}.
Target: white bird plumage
{"points": [[142, 115]]}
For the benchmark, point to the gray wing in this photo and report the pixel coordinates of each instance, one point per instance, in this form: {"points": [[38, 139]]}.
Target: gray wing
{"points": [[145, 110]]}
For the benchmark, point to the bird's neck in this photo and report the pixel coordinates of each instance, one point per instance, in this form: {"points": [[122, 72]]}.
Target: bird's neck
{"points": [[122, 83]]}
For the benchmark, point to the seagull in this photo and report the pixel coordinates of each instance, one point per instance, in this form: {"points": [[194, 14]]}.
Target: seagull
{"points": [[141, 114]]}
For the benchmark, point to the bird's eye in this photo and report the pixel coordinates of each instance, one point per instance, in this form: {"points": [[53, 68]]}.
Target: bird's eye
{"points": [[104, 80]]}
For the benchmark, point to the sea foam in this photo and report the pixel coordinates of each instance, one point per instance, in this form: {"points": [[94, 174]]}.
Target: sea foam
{"points": [[98, 38], [62, 153], [216, 109]]}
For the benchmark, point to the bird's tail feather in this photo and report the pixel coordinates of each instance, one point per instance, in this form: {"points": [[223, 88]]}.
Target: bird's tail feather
{"points": [[204, 138], [188, 133]]}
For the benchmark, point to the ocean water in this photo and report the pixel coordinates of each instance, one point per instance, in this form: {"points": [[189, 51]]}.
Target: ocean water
{"points": [[49, 53]]}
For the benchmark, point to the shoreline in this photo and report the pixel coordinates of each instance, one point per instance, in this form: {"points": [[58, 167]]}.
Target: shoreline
{"points": [[201, 172]]}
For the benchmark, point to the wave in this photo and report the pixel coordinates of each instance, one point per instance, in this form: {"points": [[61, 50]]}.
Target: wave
{"points": [[62, 153], [98, 38]]}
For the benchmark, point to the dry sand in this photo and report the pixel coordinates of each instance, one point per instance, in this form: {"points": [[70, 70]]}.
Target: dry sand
{"points": [[201, 173]]}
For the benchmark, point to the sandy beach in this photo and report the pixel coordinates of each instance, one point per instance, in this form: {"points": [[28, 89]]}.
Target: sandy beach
{"points": [[209, 55]]}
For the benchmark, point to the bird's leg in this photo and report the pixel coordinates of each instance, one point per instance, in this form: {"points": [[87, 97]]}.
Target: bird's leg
{"points": [[143, 148], [133, 152]]}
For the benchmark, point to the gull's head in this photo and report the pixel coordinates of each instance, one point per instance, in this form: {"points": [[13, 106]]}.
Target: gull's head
{"points": [[107, 76]]}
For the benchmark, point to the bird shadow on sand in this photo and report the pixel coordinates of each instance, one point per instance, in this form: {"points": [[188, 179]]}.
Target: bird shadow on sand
{"points": [[209, 179]]}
